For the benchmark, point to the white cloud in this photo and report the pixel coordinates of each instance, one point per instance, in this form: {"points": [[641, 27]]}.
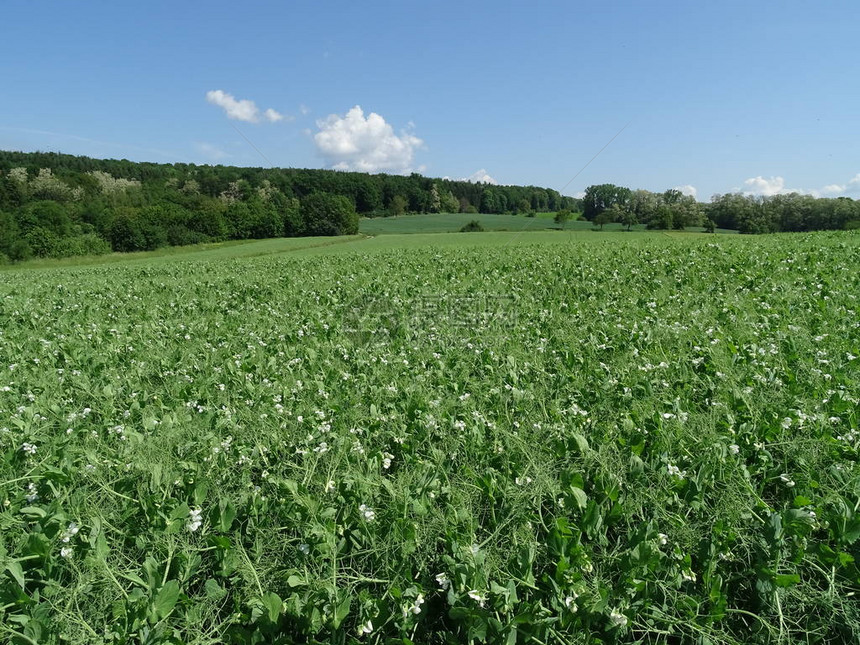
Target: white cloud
{"points": [[272, 116], [365, 144], [304, 109], [243, 109], [687, 189], [833, 189], [480, 177], [767, 187]]}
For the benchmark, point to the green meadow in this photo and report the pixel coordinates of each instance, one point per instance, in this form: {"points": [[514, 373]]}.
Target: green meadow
{"points": [[453, 222]]}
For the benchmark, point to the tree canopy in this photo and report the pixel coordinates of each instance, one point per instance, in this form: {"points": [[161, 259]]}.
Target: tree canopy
{"points": [[127, 206]]}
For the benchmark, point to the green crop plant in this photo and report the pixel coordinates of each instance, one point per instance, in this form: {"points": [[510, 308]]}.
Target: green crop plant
{"points": [[653, 439]]}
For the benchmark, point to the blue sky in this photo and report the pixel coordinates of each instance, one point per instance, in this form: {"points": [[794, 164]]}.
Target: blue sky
{"points": [[754, 96]]}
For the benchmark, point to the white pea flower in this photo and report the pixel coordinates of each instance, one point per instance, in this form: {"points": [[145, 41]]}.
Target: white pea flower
{"points": [[415, 607], [787, 480], [443, 581], [734, 448], [367, 513], [70, 532], [676, 472], [66, 552], [475, 595], [195, 519], [366, 628], [617, 618], [28, 448]]}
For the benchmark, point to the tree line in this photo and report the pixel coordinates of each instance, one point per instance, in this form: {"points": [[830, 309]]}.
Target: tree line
{"points": [[56, 205], [606, 203]]}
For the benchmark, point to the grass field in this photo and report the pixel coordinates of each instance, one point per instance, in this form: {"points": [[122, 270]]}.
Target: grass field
{"points": [[524, 437], [453, 222]]}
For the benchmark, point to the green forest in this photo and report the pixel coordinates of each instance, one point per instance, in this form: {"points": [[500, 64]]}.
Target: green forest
{"points": [[57, 205]]}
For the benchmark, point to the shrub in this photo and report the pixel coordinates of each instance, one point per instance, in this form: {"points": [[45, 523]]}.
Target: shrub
{"points": [[563, 216], [179, 235], [19, 250], [44, 214], [126, 234], [42, 241], [472, 227], [210, 221], [325, 214], [86, 244]]}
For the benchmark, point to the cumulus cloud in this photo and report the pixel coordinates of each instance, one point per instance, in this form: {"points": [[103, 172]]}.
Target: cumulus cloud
{"points": [[272, 116], [480, 177], [769, 186], [242, 109], [764, 186], [365, 144], [687, 189], [833, 189]]}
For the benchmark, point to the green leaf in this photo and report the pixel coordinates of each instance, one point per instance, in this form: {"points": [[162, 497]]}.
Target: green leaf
{"points": [[580, 497], [341, 612], [273, 604], [200, 491], [851, 533], [226, 514], [14, 567], [581, 442], [165, 600], [180, 512], [295, 581], [291, 486], [101, 547], [786, 579], [213, 589], [33, 511], [95, 530]]}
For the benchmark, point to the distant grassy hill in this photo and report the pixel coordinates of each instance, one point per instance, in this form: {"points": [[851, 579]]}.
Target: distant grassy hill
{"points": [[453, 222]]}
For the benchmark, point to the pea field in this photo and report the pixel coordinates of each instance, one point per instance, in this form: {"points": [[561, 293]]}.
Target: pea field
{"points": [[496, 438]]}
